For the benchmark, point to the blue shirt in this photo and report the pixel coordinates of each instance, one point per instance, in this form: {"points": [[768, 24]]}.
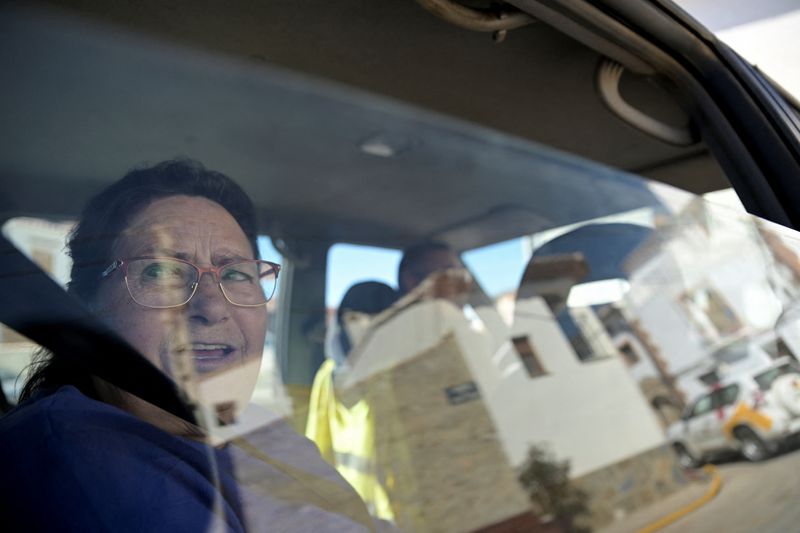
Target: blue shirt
{"points": [[70, 463]]}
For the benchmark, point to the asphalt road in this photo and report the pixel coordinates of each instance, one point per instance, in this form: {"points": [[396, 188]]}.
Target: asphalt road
{"points": [[762, 497], [754, 497]]}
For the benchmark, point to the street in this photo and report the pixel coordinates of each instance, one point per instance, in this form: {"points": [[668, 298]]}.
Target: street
{"points": [[762, 497], [759, 497]]}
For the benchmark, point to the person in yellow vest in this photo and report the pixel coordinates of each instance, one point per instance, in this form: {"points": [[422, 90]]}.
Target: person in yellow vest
{"points": [[345, 434]]}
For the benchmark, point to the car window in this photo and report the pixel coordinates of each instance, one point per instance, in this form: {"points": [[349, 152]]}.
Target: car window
{"points": [[349, 264], [43, 241], [467, 316], [709, 378], [702, 406], [725, 396], [733, 353], [499, 267], [765, 379]]}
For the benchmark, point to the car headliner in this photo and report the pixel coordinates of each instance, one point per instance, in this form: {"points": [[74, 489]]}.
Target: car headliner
{"points": [[100, 87]]}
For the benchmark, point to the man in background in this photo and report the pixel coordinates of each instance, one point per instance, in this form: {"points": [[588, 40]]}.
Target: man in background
{"points": [[437, 265]]}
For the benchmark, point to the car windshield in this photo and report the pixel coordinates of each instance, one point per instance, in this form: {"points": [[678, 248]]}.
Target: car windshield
{"points": [[765, 379], [311, 267], [733, 353]]}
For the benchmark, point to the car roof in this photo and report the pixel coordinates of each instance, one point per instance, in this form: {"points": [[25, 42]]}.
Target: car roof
{"points": [[224, 85]]}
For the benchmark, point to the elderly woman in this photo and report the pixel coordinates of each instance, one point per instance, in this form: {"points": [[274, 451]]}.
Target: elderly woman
{"points": [[167, 258]]}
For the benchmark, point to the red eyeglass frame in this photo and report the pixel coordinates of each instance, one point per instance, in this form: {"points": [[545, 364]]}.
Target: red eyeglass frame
{"points": [[215, 271]]}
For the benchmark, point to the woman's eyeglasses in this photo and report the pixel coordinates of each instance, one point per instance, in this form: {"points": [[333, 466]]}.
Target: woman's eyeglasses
{"points": [[162, 282]]}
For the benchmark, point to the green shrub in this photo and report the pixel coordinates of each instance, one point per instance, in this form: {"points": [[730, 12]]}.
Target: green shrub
{"points": [[546, 480]]}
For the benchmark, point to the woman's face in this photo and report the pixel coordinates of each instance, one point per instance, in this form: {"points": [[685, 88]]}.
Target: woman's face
{"points": [[208, 331]]}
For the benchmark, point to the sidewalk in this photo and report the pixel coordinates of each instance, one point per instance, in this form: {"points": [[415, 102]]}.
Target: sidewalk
{"points": [[646, 516]]}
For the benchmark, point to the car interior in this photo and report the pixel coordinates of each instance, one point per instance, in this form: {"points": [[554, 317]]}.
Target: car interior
{"points": [[385, 124]]}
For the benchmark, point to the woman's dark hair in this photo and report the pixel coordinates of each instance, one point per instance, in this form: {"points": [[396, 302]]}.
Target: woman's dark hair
{"points": [[105, 217]]}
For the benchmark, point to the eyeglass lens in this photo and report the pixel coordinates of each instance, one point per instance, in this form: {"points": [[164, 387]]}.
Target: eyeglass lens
{"points": [[168, 282]]}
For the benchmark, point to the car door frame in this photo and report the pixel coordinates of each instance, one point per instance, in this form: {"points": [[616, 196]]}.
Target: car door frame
{"points": [[749, 128]]}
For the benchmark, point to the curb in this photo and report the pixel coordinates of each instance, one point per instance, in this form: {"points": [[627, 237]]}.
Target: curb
{"points": [[716, 483]]}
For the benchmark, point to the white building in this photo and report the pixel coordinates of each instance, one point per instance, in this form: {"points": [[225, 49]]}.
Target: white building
{"points": [[710, 276]]}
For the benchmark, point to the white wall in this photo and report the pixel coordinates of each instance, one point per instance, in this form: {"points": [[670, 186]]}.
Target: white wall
{"points": [[662, 317], [725, 254], [29, 234], [590, 413]]}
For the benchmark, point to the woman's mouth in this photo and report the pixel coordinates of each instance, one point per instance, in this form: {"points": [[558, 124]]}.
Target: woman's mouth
{"points": [[208, 357]]}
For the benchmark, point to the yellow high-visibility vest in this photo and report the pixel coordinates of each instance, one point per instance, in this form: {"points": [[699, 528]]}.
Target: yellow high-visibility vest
{"points": [[346, 438]]}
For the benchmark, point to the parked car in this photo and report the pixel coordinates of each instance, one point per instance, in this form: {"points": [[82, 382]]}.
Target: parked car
{"points": [[741, 356], [752, 413]]}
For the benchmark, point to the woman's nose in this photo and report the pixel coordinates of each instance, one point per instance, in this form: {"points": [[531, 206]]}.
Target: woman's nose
{"points": [[208, 304]]}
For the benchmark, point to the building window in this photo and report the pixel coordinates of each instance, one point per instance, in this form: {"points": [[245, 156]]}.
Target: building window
{"points": [[628, 354], [528, 356], [711, 313]]}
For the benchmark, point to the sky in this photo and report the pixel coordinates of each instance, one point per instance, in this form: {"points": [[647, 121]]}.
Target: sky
{"points": [[762, 31], [498, 268]]}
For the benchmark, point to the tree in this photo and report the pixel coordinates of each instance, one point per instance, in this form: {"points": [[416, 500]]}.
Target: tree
{"points": [[554, 496]]}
